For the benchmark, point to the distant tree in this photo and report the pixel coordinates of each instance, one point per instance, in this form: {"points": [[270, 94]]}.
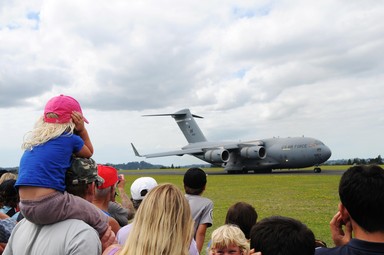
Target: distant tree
{"points": [[379, 160], [349, 162]]}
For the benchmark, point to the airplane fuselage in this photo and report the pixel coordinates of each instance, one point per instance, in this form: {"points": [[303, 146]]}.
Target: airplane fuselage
{"points": [[291, 152]]}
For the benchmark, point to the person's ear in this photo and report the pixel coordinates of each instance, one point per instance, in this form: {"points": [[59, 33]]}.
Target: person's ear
{"points": [[93, 188], [344, 213]]}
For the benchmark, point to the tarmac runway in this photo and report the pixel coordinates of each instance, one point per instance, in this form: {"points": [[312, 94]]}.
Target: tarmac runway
{"points": [[285, 171], [280, 172]]}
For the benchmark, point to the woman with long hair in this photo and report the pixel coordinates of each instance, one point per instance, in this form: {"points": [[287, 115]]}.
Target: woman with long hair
{"points": [[162, 225]]}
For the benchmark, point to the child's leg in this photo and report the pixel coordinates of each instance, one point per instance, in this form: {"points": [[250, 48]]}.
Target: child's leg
{"points": [[58, 206]]}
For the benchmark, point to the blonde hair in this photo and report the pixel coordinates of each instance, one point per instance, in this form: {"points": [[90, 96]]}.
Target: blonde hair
{"points": [[162, 224], [228, 235], [7, 176], [44, 132]]}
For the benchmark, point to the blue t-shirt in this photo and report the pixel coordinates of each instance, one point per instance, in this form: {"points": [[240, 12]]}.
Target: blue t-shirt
{"points": [[46, 164]]}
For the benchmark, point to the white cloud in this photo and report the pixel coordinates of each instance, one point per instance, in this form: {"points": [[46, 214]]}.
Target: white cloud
{"points": [[254, 69]]}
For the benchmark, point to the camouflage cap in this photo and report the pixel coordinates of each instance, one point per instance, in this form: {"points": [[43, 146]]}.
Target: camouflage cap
{"points": [[83, 170]]}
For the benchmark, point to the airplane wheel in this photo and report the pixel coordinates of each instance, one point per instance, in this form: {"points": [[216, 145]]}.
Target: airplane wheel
{"points": [[317, 170]]}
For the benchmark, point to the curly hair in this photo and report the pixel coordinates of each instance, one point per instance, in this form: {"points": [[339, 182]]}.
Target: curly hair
{"points": [[43, 132], [228, 235]]}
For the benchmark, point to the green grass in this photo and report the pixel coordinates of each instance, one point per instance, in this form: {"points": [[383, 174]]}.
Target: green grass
{"points": [[312, 199]]}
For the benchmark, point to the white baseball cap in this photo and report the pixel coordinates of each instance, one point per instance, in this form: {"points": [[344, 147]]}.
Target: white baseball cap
{"points": [[141, 186]]}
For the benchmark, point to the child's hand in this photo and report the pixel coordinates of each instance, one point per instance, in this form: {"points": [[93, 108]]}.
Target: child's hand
{"points": [[78, 120]]}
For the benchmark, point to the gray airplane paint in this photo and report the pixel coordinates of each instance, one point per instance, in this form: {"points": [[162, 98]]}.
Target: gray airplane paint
{"points": [[258, 155]]}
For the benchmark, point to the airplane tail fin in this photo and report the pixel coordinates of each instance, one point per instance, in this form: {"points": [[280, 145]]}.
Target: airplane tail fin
{"points": [[187, 125]]}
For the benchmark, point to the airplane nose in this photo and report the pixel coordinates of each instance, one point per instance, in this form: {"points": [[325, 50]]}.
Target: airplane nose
{"points": [[326, 153]]}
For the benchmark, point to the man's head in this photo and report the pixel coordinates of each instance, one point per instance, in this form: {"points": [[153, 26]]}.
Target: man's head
{"points": [[282, 235], [361, 192], [194, 180], [139, 188], [80, 177], [108, 189]]}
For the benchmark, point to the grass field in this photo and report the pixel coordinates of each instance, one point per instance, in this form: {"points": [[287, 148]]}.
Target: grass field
{"points": [[312, 199]]}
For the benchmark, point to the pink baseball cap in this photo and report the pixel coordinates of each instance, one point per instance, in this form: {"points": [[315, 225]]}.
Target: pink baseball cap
{"points": [[62, 106]]}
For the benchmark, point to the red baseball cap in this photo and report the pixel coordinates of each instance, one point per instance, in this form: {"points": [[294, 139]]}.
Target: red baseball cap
{"points": [[62, 106], [109, 174]]}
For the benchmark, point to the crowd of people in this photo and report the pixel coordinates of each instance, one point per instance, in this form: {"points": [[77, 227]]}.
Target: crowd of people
{"points": [[62, 202]]}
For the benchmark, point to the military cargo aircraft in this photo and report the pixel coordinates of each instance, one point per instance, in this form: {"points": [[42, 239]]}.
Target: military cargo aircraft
{"points": [[260, 156]]}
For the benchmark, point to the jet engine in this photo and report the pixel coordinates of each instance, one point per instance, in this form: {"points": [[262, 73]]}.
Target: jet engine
{"points": [[217, 156], [257, 152]]}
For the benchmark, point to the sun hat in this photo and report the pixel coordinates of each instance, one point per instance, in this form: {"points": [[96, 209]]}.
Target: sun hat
{"points": [[62, 106]]}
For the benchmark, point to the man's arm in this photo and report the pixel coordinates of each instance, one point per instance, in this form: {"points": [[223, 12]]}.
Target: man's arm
{"points": [[125, 201], [114, 225]]}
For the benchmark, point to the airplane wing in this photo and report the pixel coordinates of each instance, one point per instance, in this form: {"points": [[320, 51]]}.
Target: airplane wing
{"points": [[213, 152], [168, 153]]}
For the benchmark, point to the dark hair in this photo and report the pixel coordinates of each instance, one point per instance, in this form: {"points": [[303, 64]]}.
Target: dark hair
{"points": [[361, 192], [243, 215], [2, 171], [192, 191], [195, 178], [136, 203], [79, 189], [8, 193], [278, 235]]}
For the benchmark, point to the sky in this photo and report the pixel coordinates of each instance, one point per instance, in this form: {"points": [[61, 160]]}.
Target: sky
{"points": [[253, 69]]}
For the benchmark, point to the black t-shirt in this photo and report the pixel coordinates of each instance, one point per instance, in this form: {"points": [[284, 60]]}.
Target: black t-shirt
{"points": [[354, 247]]}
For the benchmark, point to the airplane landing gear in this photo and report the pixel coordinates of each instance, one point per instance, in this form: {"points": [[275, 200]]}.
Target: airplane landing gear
{"points": [[317, 170], [263, 171]]}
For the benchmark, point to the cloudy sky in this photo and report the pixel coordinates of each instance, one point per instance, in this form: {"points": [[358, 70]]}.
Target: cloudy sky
{"points": [[254, 69]]}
